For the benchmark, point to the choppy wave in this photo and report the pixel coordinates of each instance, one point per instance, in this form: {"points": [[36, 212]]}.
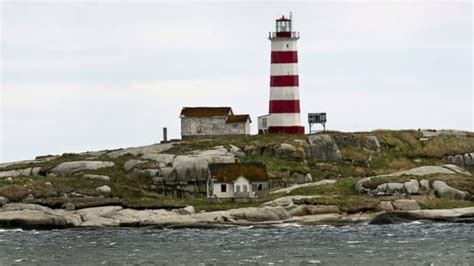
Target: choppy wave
{"points": [[283, 244]]}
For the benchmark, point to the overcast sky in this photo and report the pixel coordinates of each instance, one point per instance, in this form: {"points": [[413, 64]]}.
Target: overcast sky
{"points": [[89, 75]]}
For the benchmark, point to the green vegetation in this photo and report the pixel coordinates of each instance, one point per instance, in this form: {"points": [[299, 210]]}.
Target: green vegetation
{"points": [[343, 188], [400, 150], [277, 165]]}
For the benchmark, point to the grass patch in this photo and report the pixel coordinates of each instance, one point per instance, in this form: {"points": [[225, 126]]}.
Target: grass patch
{"points": [[343, 187], [342, 194], [277, 165]]}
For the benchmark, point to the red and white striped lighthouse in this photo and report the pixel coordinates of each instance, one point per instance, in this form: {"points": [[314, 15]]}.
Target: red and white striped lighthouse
{"points": [[284, 112]]}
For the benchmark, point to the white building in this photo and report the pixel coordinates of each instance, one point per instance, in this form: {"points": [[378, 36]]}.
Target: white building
{"points": [[211, 121], [238, 181]]}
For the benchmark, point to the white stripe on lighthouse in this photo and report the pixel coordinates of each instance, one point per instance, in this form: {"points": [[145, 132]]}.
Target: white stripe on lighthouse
{"points": [[285, 119], [284, 45], [284, 69], [284, 93]]}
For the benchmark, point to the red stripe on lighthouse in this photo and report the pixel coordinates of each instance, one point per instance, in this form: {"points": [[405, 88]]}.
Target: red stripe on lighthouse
{"points": [[287, 130], [284, 81], [284, 57], [284, 106]]}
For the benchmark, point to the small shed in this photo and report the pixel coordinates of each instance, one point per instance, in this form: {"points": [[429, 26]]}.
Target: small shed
{"points": [[212, 121], [238, 181]]}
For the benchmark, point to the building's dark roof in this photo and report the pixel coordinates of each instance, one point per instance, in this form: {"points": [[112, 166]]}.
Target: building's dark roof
{"points": [[229, 172], [206, 111], [238, 118], [283, 19]]}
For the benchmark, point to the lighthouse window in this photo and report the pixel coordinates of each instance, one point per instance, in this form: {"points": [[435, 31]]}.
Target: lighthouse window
{"points": [[287, 45]]}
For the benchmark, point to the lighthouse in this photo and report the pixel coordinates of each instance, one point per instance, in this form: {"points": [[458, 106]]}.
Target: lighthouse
{"points": [[284, 105]]}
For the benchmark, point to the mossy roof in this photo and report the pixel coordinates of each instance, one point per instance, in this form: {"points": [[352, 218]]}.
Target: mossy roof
{"points": [[206, 111], [229, 172], [238, 119]]}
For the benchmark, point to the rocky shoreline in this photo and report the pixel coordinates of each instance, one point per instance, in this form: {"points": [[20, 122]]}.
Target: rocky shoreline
{"points": [[32, 216], [378, 177]]}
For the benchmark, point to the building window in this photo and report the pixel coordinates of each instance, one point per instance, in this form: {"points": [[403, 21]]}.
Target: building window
{"points": [[237, 188], [244, 188], [259, 187], [223, 188]]}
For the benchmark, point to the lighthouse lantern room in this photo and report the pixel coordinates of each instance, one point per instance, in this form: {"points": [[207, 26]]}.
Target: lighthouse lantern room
{"points": [[284, 105]]}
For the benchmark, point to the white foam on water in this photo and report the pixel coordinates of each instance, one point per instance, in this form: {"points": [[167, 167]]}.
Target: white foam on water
{"points": [[288, 225], [245, 227], [352, 242], [11, 230]]}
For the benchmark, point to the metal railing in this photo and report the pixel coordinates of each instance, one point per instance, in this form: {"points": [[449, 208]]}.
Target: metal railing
{"points": [[292, 35]]}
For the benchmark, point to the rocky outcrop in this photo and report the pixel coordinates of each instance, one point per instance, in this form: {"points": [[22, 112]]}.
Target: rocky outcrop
{"points": [[32, 216], [302, 210], [3, 201], [286, 150], [405, 205], [130, 164], [76, 167], [386, 206], [142, 150], [104, 190], [425, 170], [32, 171], [297, 186], [466, 159], [36, 217], [324, 148], [425, 184], [445, 215], [411, 187], [163, 160], [236, 151], [39, 159], [373, 143], [457, 169], [261, 214], [299, 178], [389, 189], [443, 190], [359, 141], [97, 177], [287, 201], [319, 147]]}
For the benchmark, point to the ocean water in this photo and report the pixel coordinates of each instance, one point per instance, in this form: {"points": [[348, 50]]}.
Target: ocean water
{"points": [[404, 244]]}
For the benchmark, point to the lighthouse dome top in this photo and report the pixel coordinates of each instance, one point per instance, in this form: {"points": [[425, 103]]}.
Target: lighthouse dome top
{"points": [[283, 29], [283, 19]]}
